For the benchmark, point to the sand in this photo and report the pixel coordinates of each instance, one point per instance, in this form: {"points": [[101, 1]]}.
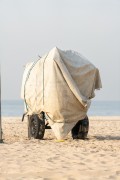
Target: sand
{"points": [[96, 158]]}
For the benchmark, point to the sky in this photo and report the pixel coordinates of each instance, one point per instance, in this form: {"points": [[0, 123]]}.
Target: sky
{"points": [[33, 27]]}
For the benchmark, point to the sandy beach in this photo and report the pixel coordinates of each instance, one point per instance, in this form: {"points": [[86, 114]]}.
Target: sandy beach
{"points": [[96, 158]]}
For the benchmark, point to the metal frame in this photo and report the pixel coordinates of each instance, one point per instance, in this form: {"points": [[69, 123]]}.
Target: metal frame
{"points": [[1, 140]]}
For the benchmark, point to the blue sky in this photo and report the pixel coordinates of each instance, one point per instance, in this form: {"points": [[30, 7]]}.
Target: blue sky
{"points": [[32, 27]]}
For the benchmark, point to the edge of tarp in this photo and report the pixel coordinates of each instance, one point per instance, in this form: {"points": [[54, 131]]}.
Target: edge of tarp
{"points": [[72, 85], [27, 77]]}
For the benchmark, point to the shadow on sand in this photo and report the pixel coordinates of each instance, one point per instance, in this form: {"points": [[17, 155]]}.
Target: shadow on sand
{"points": [[101, 138]]}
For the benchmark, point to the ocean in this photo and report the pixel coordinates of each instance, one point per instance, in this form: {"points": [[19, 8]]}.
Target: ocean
{"points": [[97, 108]]}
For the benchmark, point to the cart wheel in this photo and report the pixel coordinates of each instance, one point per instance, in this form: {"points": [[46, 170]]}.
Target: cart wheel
{"points": [[36, 127], [80, 130]]}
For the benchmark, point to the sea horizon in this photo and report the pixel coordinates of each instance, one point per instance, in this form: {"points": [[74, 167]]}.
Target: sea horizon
{"points": [[15, 108]]}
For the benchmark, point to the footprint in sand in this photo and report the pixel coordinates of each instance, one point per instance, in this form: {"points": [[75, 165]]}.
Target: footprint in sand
{"points": [[118, 172]]}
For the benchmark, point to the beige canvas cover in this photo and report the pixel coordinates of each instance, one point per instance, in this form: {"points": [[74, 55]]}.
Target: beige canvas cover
{"points": [[61, 84]]}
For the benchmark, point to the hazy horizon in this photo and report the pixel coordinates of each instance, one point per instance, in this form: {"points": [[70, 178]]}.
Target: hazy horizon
{"points": [[31, 28]]}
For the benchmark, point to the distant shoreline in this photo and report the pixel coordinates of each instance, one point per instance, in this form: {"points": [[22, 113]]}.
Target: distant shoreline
{"points": [[90, 117], [16, 109]]}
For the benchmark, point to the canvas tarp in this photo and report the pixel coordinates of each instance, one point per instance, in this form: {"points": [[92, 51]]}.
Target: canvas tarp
{"points": [[61, 84]]}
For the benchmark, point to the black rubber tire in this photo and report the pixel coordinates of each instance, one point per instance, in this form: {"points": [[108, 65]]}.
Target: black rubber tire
{"points": [[36, 127], [80, 130]]}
